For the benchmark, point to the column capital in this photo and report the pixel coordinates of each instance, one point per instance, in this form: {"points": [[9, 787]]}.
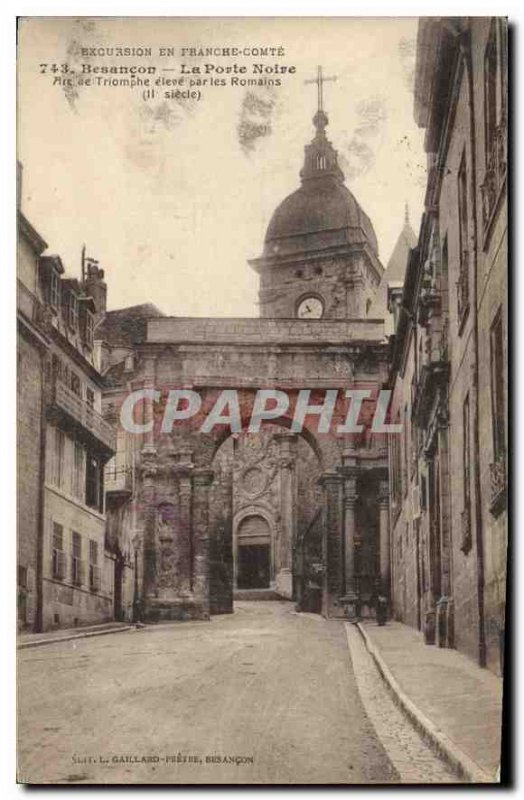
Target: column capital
{"points": [[350, 473], [148, 462], [287, 462], [150, 366], [349, 457], [330, 479], [184, 484]]}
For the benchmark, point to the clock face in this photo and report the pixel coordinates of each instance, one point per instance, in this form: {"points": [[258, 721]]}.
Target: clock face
{"points": [[310, 308]]}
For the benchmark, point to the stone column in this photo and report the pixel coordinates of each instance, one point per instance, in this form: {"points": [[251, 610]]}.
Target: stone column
{"points": [[201, 480], [185, 537], [350, 473], [148, 469], [288, 500], [383, 504], [148, 442], [331, 483]]}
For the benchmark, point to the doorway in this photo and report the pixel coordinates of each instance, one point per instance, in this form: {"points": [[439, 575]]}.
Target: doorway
{"points": [[253, 562], [253, 571]]}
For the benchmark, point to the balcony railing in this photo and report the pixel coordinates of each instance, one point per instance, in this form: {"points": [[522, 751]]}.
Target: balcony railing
{"points": [[83, 414], [118, 480], [495, 172], [497, 472], [30, 306], [463, 287]]}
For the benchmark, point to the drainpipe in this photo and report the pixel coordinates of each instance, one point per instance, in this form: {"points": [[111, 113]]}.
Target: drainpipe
{"points": [[465, 47]]}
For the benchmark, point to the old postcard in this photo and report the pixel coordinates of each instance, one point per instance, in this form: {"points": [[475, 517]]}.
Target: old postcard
{"points": [[262, 400]]}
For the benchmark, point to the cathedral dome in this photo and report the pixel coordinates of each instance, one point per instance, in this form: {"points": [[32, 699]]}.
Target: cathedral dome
{"points": [[318, 215], [322, 213]]}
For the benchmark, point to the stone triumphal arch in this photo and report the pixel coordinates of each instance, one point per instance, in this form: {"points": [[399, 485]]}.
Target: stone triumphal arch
{"points": [[298, 513]]}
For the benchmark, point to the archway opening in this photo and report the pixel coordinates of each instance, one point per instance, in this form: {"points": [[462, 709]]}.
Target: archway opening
{"points": [[265, 503]]}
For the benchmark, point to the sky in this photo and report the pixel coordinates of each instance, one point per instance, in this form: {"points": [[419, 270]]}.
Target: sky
{"points": [[173, 197]]}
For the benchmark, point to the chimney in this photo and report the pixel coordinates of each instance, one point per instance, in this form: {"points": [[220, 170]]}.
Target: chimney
{"points": [[94, 284]]}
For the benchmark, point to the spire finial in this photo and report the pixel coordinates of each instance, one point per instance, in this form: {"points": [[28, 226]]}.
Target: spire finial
{"points": [[320, 81]]}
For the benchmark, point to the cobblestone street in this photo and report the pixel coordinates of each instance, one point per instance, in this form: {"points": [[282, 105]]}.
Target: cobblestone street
{"points": [[263, 696]]}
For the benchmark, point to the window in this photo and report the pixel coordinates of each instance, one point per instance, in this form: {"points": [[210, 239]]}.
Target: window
{"points": [[396, 469], [405, 463], [498, 409], [22, 577], [57, 555], [503, 50], [490, 93], [321, 161], [90, 326], [76, 559], [54, 289], [78, 471], [466, 460], [463, 206], [59, 456], [94, 482], [90, 397], [444, 276], [495, 118], [466, 451], [94, 569], [72, 310], [74, 383], [56, 368], [463, 281], [423, 493]]}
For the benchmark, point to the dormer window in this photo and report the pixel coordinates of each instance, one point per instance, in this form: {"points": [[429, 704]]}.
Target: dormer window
{"points": [[72, 310], [89, 328], [54, 289]]}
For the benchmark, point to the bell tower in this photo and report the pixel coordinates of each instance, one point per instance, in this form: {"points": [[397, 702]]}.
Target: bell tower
{"points": [[320, 257]]}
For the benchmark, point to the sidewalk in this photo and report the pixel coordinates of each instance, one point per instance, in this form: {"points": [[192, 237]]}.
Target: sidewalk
{"points": [[24, 640], [454, 703]]}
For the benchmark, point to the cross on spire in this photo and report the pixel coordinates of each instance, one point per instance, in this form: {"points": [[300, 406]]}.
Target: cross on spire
{"points": [[320, 80]]}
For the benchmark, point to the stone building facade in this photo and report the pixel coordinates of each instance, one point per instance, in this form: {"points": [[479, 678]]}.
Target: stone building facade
{"points": [[449, 352], [211, 513], [32, 345], [65, 573]]}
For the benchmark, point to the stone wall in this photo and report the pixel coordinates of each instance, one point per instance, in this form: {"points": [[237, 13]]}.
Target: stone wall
{"points": [[29, 411], [65, 604]]}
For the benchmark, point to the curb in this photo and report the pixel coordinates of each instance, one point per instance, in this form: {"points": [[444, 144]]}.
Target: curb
{"points": [[70, 637], [461, 763]]}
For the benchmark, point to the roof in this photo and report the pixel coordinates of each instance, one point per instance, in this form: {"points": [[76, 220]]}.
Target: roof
{"points": [[395, 270], [30, 234], [127, 326], [322, 212], [396, 266], [321, 207]]}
